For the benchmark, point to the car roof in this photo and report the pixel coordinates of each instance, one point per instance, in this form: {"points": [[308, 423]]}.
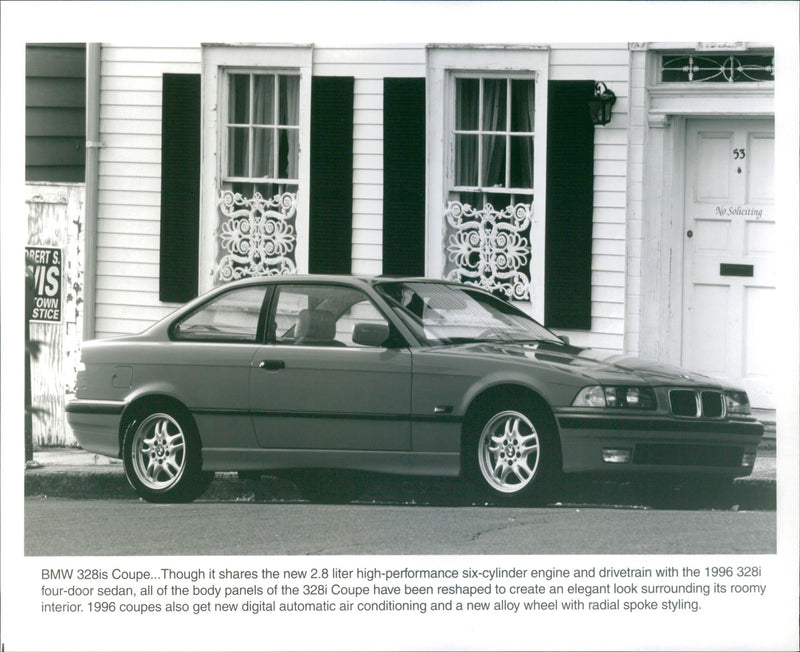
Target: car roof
{"points": [[354, 279], [161, 328]]}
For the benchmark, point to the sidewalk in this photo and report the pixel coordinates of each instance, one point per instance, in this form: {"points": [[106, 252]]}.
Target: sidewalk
{"points": [[75, 473]]}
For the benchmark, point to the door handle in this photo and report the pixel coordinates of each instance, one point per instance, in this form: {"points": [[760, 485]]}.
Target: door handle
{"points": [[272, 365]]}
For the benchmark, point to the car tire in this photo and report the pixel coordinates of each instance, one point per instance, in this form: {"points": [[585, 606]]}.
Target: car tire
{"points": [[512, 454], [162, 456]]}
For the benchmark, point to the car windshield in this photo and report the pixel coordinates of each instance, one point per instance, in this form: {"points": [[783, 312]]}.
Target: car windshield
{"points": [[444, 313]]}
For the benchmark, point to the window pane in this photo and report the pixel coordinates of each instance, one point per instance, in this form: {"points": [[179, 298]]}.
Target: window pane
{"points": [[263, 165], [466, 160], [522, 104], [469, 198], [287, 153], [289, 100], [321, 316], [238, 152], [493, 173], [467, 104], [503, 200], [362, 319], [233, 316], [495, 104], [239, 100], [263, 99], [521, 162]]}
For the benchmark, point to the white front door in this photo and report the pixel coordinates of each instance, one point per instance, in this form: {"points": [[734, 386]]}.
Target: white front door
{"points": [[729, 311]]}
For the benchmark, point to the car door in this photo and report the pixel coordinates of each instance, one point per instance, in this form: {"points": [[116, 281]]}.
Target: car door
{"points": [[321, 383], [209, 362]]}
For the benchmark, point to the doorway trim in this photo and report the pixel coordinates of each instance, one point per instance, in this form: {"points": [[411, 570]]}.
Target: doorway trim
{"points": [[662, 268]]}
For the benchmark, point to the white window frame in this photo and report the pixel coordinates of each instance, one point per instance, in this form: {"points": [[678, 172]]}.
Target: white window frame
{"points": [[444, 63], [217, 62], [275, 127], [480, 132]]}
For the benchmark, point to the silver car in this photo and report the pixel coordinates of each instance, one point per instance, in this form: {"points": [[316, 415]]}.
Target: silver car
{"points": [[306, 375]]}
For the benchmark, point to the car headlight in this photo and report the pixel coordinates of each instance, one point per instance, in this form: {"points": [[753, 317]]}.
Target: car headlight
{"points": [[737, 403], [616, 396]]}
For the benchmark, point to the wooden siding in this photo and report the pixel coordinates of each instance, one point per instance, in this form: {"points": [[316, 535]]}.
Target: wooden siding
{"points": [[128, 221], [55, 112], [369, 66], [609, 64], [129, 197]]}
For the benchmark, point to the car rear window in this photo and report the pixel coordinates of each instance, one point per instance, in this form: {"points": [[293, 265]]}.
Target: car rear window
{"points": [[232, 316]]}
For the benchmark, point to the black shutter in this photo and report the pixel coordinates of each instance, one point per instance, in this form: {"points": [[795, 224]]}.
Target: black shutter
{"points": [[331, 194], [404, 176], [570, 178], [180, 187]]}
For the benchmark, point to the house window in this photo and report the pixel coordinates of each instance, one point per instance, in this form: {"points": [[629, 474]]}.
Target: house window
{"points": [[254, 180], [257, 200], [490, 198], [493, 140], [262, 133]]}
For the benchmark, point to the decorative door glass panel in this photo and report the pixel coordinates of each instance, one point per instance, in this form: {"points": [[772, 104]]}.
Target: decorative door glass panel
{"points": [[717, 68]]}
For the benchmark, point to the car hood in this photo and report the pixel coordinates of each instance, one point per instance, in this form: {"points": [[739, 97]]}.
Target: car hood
{"points": [[596, 366]]}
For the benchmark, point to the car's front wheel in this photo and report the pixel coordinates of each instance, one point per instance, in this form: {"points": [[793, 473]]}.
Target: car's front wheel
{"points": [[512, 454], [162, 458]]}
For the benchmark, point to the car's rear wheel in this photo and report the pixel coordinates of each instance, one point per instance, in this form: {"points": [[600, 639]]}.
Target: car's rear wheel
{"points": [[512, 454], [162, 458]]}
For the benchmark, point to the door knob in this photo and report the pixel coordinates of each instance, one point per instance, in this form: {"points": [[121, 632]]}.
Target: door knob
{"points": [[689, 233], [271, 365]]}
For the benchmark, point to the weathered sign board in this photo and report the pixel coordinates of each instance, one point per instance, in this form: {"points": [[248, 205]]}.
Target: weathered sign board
{"points": [[45, 263]]}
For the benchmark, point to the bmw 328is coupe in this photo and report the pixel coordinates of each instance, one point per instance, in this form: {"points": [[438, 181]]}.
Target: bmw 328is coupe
{"points": [[299, 374]]}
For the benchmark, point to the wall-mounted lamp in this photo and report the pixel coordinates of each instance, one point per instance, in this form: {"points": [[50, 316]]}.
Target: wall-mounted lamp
{"points": [[601, 103]]}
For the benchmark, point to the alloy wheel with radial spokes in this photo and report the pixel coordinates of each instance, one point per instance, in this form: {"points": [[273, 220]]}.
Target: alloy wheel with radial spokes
{"points": [[161, 454], [509, 452]]}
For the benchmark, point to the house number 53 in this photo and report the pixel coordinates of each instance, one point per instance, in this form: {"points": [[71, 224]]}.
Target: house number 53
{"points": [[738, 153]]}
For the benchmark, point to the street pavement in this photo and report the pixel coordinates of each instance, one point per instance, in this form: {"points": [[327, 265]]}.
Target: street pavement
{"points": [[77, 474]]}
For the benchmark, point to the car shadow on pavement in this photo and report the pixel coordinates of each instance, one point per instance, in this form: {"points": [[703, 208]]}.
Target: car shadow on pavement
{"points": [[586, 492]]}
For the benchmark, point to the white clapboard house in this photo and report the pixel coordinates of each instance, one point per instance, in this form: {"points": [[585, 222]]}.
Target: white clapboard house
{"points": [[652, 234]]}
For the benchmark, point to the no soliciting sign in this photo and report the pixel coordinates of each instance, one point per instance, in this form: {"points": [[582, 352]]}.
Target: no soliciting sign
{"points": [[45, 262]]}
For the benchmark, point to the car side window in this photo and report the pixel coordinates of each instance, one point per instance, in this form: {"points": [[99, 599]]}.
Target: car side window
{"points": [[230, 317], [324, 315]]}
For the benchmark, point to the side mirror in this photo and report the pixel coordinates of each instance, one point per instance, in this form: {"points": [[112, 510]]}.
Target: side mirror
{"points": [[564, 338], [375, 335]]}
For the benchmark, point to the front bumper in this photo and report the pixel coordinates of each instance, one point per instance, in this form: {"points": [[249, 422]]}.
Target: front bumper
{"points": [[658, 444], [96, 424]]}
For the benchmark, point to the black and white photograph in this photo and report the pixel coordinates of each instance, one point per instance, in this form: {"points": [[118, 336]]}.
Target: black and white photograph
{"points": [[400, 325]]}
